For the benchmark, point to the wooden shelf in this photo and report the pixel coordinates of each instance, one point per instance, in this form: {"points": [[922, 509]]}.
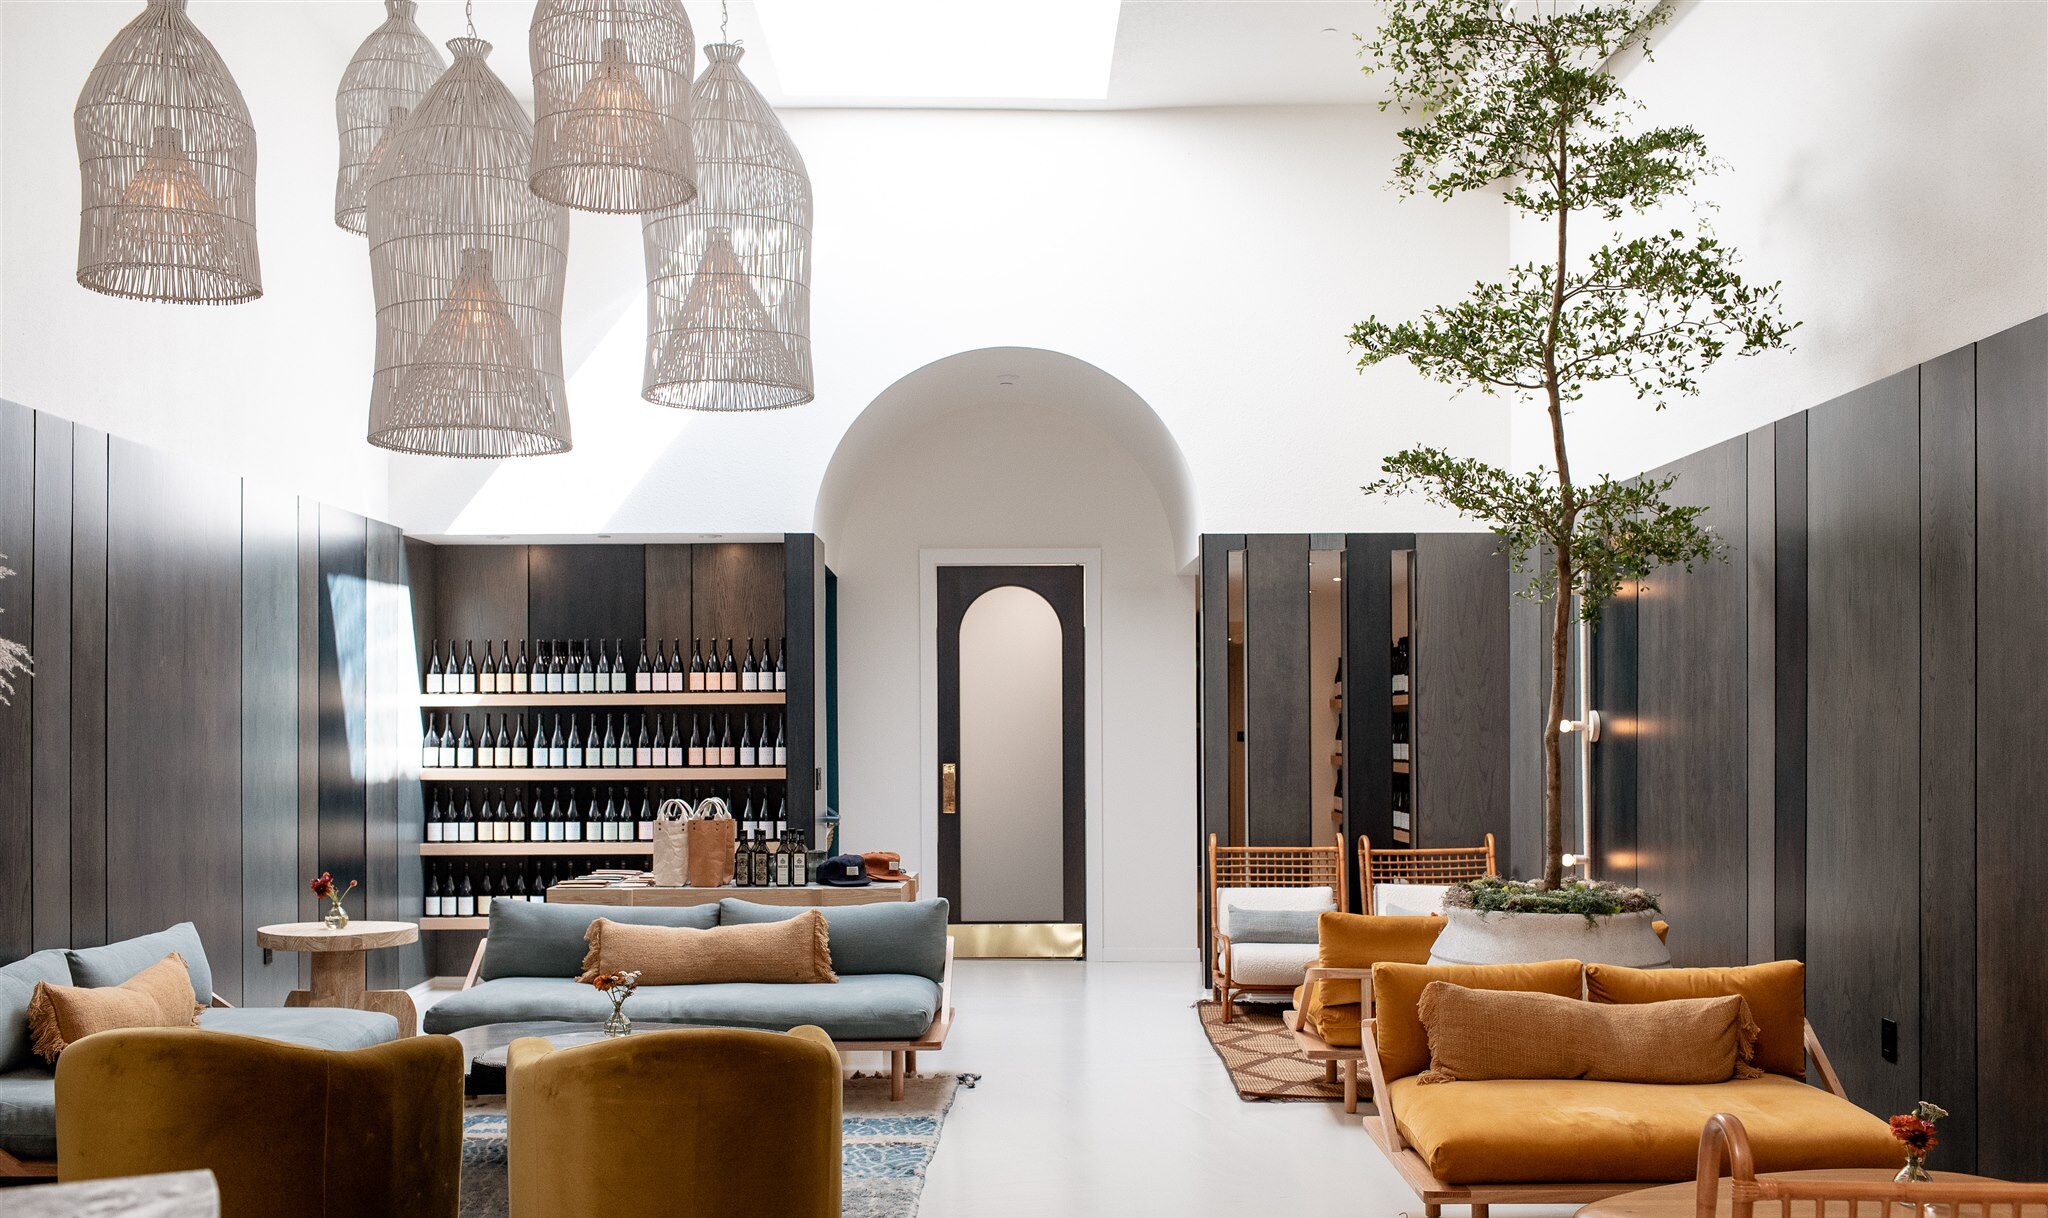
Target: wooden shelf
{"points": [[649, 773], [455, 923], [472, 701], [1400, 767], [439, 849], [1400, 701]]}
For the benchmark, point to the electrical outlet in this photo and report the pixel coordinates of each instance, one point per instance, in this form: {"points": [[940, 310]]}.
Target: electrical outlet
{"points": [[1888, 1040]]}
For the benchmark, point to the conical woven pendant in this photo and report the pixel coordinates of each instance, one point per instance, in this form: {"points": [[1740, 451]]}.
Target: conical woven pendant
{"points": [[726, 332], [391, 71]]}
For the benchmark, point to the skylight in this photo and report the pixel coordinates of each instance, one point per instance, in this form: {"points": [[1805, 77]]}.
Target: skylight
{"points": [[964, 50]]}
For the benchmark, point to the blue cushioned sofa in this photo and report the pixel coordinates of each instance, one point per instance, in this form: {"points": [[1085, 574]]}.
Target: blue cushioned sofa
{"points": [[28, 1085], [894, 962]]}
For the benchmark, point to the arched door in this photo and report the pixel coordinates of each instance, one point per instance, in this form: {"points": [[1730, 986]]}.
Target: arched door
{"points": [[1012, 850]]}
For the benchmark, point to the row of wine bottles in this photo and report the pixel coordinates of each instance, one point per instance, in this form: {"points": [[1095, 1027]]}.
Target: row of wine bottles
{"points": [[467, 890], [484, 816], [572, 667], [628, 745]]}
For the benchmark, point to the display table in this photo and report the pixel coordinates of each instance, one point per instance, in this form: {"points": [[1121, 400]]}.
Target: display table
{"points": [[1682, 1200], [340, 972], [811, 895]]}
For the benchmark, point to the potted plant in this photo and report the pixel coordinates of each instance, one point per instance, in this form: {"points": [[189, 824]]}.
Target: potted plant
{"points": [[1521, 101], [1496, 921]]}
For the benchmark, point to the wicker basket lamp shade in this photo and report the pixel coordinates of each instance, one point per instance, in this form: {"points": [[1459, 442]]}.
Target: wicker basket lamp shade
{"points": [[467, 264], [728, 274], [167, 168], [391, 71], [611, 91]]}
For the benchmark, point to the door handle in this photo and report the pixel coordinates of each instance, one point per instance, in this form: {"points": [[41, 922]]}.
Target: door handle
{"points": [[949, 789]]}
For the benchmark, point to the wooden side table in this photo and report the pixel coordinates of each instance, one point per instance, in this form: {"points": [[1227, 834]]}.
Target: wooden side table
{"points": [[340, 974]]}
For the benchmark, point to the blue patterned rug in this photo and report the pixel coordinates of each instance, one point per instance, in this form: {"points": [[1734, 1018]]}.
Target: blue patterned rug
{"points": [[885, 1146]]}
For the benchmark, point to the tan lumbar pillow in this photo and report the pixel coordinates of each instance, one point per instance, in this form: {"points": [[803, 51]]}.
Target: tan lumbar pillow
{"points": [[159, 996], [794, 951], [1489, 1034]]}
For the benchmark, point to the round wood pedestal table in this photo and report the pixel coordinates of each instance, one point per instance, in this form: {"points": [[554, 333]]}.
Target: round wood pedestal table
{"points": [[1682, 1200], [339, 972]]}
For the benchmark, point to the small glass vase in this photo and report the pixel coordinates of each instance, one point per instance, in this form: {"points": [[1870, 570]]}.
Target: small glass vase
{"points": [[1915, 1170], [618, 1024], [337, 917]]}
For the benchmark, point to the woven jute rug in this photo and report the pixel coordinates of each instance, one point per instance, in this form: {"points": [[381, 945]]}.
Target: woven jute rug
{"points": [[1259, 1052], [885, 1146]]}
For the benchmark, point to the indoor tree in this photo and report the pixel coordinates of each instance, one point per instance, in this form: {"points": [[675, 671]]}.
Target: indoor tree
{"points": [[1519, 98]]}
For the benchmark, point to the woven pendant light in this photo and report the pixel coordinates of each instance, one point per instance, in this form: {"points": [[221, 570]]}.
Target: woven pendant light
{"points": [[729, 274], [391, 71], [167, 168], [467, 264], [611, 90]]}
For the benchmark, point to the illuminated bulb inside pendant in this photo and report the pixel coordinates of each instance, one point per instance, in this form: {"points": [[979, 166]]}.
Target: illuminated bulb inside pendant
{"points": [[165, 206], [729, 334], [612, 118], [473, 363], [376, 157]]}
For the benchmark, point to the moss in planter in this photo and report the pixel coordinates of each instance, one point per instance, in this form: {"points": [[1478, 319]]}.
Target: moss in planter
{"points": [[1589, 900]]}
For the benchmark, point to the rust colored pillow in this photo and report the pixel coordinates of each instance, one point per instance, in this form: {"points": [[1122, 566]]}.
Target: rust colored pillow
{"points": [[159, 996], [1776, 993], [792, 951], [1397, 988], [1492, 1034]]}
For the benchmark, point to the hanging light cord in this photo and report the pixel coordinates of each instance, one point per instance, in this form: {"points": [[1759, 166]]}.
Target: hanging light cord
{"points": [[724, 15], [469, 16]]}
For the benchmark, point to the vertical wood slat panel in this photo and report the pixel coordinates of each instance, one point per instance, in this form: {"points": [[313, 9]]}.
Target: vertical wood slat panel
{"points": [[1278, 808], [668, 595], [309, 709], [1694, 722], [1459, 645], [1863, 767], [393, 822], [1528, 677], [1617, 755], [1760, 688], [88, 687], [2011, 765], [803, 565], [17, 622], [174, 606], [1213, 713], [1368, 688], [480, 593], [1789, 639], [588, 593], [50, 692], [736, 592], [270, 735], [1948, 745], [343, 689]]}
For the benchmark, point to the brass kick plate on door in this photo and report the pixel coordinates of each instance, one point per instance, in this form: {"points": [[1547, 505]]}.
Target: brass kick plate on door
{"points": [[949, 789]]}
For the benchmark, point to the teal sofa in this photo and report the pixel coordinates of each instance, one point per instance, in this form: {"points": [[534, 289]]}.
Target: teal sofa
{"points": [[28, 1085], [894, 962]]}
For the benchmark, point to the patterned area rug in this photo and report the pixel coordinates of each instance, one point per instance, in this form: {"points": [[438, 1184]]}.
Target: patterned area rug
{"points": [[885, 1146], [1258, 1051]]}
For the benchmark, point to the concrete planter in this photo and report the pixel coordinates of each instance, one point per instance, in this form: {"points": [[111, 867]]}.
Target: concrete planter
{"points": [[1471, 937]]}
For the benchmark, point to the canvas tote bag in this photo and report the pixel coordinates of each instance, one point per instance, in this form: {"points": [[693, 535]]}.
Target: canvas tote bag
{"points": [[713, 839], [672, 844]]}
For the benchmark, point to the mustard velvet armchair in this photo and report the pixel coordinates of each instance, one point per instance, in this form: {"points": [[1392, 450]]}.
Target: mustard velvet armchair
{"points": [[285, 1129], [689, 1123]]}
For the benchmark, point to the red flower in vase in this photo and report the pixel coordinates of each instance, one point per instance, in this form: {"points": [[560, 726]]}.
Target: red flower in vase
{"points": [[1916, 1132], [323, 886]]}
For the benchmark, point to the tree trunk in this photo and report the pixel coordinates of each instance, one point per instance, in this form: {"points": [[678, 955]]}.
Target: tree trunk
{"points": [[1553, 740]]}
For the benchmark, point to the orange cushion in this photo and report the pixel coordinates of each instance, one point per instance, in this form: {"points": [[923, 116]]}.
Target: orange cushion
{"points": [[1532, 1131], [1397, 988], [1347, 940], [159, 996], [1776, 993], [794, 951], [1684, 1041]]}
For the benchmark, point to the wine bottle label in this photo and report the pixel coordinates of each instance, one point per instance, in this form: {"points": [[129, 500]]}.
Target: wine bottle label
{"points": [[750, 681], [696, 757], [781, 681], [643, 756], [519, 680], [433, 682], [521, 759], [729, 682], [747, 756], [781, 755], [518, 830], [502, 756], [727, 755]]}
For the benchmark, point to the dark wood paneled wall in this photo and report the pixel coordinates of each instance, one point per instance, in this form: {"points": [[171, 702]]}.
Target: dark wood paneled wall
{"points": [[194, 635], [1368, 674], [1618, 755], [2011, 764], [1887, 752], [803, 615], [1278, 805], [736, 592], [1459, 644]]}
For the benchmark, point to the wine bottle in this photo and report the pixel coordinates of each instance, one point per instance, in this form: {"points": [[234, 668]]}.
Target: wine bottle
{"points": [[617, 684], [750, 677], [782, 817], [608, 751], [764, 864], [782, 868], [781, 674], [747, 753], [434, 819], [781, 744], [430, 905], [430, 747], [467, 681], [465, 822], [643, 825], [729, 675], [728, 752], [586, 672], [487, 676], [447, 750], [573, 757], [558, 751], [800, 863], [604, 667], [521, 757], [693, 756], [465, 748], [520, 678], [593, 824], [643, 672], [502, 755], [517, 823], [433, 683], [643, 746]]}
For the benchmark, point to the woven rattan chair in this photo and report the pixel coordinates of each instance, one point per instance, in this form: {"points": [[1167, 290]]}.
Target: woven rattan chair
{"points": [[1434, 866], [1307, 869], [1724, 1148]]}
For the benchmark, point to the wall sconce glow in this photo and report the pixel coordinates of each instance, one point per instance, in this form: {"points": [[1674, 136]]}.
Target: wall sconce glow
{"points": [[1024, 50], [1589, 725]]}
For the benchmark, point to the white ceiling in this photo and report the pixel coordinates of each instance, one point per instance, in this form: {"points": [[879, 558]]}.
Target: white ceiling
{"points": [[1169, 53]]}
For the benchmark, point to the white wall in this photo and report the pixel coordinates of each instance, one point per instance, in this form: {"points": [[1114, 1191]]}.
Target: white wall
{"points": [[1887, 161], [988, 472]]}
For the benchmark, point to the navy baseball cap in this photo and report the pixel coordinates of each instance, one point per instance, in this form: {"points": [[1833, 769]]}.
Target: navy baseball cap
{"points": [[843, 871]]}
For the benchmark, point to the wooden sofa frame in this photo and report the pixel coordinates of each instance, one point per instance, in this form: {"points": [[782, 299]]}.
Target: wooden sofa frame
{"points": [[902, 1053], [1264, 867], [1435, 1194]]}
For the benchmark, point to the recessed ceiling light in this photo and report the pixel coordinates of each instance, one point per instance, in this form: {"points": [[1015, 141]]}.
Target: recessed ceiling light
{"points": [[1023, 50]]}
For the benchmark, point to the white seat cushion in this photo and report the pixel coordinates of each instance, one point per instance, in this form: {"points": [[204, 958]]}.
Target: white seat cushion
{"points": [[1415, 900], [1318, 898], [1270, 963]]}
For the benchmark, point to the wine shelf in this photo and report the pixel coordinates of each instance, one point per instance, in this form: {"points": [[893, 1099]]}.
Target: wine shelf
{"points": [[524, 849], [638, 773], [481, 701], [455, 923]]}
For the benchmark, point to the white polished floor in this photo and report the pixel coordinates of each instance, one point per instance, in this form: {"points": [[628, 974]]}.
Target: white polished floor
{"points": [[1101, 1098]]}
